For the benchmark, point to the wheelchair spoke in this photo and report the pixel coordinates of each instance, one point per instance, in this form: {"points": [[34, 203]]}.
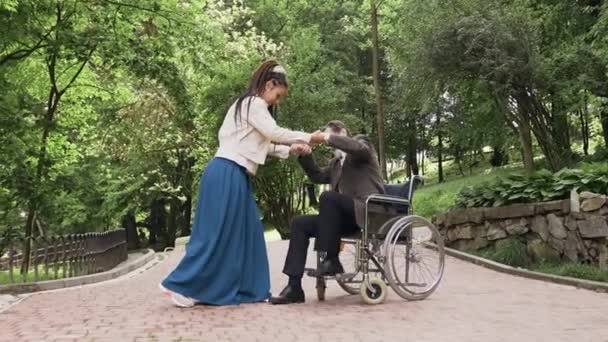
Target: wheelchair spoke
{"points": [[415, 268]]}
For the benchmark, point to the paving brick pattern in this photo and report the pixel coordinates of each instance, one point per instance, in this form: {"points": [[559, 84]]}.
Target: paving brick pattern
{"points": [[471, 304]]}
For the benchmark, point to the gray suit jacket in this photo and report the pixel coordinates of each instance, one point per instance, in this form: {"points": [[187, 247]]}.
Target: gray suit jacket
{"points": [[358, 178]]}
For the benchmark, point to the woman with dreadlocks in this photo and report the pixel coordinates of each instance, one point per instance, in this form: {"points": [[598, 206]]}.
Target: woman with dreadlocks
{"points": [[225, 261]]}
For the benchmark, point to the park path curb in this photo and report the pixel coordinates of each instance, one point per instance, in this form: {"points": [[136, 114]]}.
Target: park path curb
{"points": [[78, 281], [520, 272]]}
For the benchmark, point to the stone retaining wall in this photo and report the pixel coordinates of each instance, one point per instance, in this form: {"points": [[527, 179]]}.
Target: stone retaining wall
{"points": [[575, 229]]}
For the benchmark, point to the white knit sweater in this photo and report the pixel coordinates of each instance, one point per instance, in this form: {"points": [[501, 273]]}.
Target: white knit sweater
{"points": [[249, 140]]}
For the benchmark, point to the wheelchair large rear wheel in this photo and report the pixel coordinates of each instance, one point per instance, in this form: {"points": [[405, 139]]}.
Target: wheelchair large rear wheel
{"points": [[415, 257]]}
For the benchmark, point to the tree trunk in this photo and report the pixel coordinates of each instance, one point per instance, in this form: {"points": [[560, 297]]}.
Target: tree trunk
{"points": [[422, 158], [560, 126], [55, 94], [174, 211], [423, 147], [130, 225], [439, 148], [551, 142], [604, 120], [458, 154], [584, 120], [376, 77], [499, 156], [187, 217], [412, 150], [47, 122], [525, 137], [157, 221]]}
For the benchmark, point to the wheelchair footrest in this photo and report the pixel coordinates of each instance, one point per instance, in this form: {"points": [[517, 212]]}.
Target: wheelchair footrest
{"points": [[346, 277], [311, 272]]}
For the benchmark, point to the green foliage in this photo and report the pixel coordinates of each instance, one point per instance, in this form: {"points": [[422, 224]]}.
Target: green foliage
{"points": [[538, 187], [435, 198], [111, 108], [5, 277], [135, 125], [279, 194], [581, 271], [512, 252]]}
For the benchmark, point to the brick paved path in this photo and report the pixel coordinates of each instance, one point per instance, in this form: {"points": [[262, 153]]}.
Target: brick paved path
{"points": [[472, 304]]}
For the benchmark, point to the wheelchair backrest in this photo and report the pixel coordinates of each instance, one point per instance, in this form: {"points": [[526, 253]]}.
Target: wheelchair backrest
{"points": [[405, 190]]}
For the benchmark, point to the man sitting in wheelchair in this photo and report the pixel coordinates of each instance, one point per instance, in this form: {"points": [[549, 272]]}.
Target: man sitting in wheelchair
{"points": [[354, 174]]}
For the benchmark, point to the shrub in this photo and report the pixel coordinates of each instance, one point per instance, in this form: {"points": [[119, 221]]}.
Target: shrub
{"points": [[512, 252], [538, 187]]}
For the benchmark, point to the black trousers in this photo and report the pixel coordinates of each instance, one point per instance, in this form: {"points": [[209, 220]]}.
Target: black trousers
{"points": [[336, 218]]}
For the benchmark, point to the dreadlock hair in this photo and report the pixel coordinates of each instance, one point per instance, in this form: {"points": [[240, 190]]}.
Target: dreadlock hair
{"points": [[257, 85]]}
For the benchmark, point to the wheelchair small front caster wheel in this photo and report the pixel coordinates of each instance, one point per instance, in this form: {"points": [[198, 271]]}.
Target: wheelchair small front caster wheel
{"points": [[374, 291]]}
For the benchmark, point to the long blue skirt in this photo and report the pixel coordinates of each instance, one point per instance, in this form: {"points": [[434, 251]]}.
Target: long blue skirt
{"points": [[226, 261]]}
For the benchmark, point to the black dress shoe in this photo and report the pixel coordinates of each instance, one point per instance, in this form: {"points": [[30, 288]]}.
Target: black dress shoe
{"points": [[330, 267], [289, 295]]}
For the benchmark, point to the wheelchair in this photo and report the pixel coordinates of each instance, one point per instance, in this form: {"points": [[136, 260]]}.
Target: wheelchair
{"points": [[394, 248]]}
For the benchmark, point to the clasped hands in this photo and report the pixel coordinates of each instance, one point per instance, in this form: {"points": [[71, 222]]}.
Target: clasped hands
{"points": [[303, 149]]}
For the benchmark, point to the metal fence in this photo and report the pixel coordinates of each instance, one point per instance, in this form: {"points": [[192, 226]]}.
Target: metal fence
{"points": [[61, 256]]}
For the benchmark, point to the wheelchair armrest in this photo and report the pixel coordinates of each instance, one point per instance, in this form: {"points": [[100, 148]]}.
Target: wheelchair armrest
{"points": [[386, 199], [399, 204]]}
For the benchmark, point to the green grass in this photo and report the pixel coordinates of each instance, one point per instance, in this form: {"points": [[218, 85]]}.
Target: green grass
{"points": [[434, 198], [513, 253], [30, 277], [574, 270]]}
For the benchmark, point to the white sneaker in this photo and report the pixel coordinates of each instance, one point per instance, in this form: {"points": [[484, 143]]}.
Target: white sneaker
{"points": [[178, 299]]}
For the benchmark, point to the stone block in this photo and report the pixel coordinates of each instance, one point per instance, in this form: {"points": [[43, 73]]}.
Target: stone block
{"points": [[557, 244], [556, 227], [571, 249], [547, 207], [439, 219], [456, 217], [481, 230], [480, 242], [474, 215], [539, 225], [575, 204], [461, 232], [516, 227], [565, 206], [602, 258], [511, 211], [587, 195], [593, 227], [470, 245], [541, 252], [461, 245], [570, 223], [579, 215], [593, 204], [593, 252], [495, 232]]}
